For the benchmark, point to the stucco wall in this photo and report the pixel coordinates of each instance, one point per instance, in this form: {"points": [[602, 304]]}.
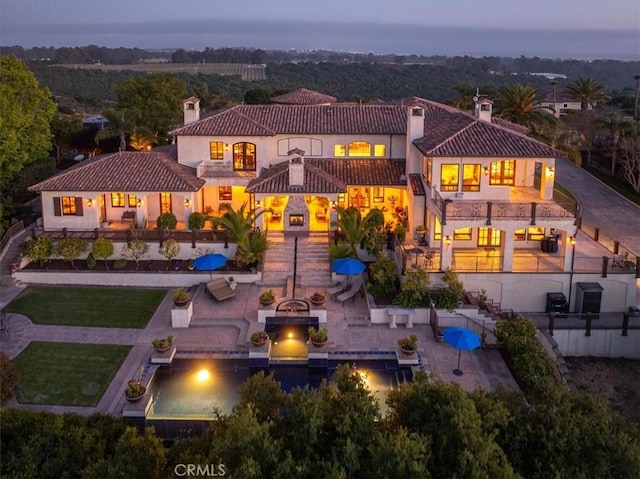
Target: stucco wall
{"points": [[607, 343]]}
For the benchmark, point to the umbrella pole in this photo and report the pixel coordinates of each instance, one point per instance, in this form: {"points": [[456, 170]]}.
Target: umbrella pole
{"points": [[458, 371]]}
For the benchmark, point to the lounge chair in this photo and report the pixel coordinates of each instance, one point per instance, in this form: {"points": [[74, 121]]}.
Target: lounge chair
{"points": [[354, 288], [337, 289], [219, 289]]}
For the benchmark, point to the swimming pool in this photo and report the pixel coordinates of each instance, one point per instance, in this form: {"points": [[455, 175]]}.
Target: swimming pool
{"points": [[197, 388]]}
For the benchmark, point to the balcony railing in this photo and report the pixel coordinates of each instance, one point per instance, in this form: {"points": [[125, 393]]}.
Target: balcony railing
{"points": [[490, 210]]}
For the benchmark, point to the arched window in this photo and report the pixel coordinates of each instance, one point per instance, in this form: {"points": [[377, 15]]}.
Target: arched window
{"points": [[244, 156]]}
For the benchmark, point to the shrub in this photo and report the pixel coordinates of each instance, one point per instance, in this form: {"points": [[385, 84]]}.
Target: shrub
{"points": [[413, 292], [119, 263], [409, 344], [135, 250], [102, 248], [267, 296], [39, 249], [91, 261], [318, 335], [196, 221], [70, 248], [454, 285], [401, 232], [167, 221], [170, 249], [180, 295], [338, 251], [383, 276], [532, 366], [9, 378]]}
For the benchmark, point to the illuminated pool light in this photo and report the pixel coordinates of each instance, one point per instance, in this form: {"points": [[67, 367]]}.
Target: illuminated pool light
{"points": [[203, 375]]}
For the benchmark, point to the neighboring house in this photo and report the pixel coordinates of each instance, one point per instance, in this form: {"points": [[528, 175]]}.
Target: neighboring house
{"points": [[479, 188], [560, 103]]}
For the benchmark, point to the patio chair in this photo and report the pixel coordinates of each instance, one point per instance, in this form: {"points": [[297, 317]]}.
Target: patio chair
{"points": [[337, 289], [354, 288], [219, 290]]}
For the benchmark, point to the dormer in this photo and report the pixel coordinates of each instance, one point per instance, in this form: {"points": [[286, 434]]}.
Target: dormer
{"points": [[191, 110], [483, 108], [296, 167]]}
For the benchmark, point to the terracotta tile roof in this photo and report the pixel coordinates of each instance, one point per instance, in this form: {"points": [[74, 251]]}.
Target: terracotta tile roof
{"points": [[269, 120], [303, 97], [276, 180], [415, 181], [510, 125], [156, 170], [330, 175], [480, 139], [377, 172]]}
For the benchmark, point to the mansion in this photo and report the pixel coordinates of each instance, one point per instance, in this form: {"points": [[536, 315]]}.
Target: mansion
{"points": [[473, 188]]}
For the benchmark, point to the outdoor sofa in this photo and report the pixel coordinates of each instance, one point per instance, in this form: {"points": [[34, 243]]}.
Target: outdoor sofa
{"points": [[219, 289]]}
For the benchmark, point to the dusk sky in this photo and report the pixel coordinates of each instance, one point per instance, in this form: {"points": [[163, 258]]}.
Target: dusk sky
{"points": [[557, 29]]}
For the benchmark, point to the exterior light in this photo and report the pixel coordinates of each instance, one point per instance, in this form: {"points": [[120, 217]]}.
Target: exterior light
{"points": [[552, 170], [333, 203], [89, 202], [187, 203], [203, 375], [447, 240], [572, 240], [227, 147], [139, 203], [258, 204], [486, 171]]}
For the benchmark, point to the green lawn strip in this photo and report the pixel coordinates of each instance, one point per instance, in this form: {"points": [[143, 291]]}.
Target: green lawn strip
{"points": [[67, 374], [88, 306]]}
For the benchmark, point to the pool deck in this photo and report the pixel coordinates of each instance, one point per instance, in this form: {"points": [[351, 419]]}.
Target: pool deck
{"points": [[227, 326]]}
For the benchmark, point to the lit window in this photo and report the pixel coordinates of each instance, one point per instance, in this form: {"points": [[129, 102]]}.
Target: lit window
{"points": [[224, 193], [462, 234], [378, 194], [437, 230], [216, 150], [471, 178], [68, 205], [503, 173], [380, 151], [428, 174], [132, 201], [339, 150], [165, 202], [449, 177], [520, 234], [489, 237], [117, 200], [244, 157], [535, 233], [359, 148]]}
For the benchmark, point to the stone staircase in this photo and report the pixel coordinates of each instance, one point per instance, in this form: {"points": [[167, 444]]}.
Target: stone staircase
{"points": [[313, 260]]}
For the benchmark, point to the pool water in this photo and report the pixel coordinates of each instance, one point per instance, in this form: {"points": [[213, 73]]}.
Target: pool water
{"points": [[197, 388]]}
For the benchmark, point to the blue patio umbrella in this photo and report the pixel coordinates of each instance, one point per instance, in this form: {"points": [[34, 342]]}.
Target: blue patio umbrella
{"points": [[461, 339], [348, 266], [209, 262]]}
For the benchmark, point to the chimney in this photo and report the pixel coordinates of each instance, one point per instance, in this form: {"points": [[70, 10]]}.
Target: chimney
{"points": [[483, 107], [191, 110], [296, 167], [415, 130]]}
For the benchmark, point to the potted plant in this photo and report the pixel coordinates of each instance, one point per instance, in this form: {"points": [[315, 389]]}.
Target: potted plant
{"points": [[135, 390], [439, 335], [408, 345], [162, 345], [317, 298], [318, 337], [232, 283], [267, 297], [259, 338], [190, 265], [180, 297]]}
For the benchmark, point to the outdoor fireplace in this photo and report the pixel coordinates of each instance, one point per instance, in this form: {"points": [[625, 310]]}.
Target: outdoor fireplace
{"points": [[296, 220]]}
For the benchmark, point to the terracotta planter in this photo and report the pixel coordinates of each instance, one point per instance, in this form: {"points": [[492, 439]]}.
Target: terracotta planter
{"points": [[317, 302], [258, 343], [163, 350], [182, 303], [408, 352], [319, 345], [135, 399], [267, 303]]}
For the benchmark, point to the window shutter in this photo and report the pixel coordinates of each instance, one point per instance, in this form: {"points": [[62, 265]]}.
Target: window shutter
{"points": [[57, 207], [79, 206]]}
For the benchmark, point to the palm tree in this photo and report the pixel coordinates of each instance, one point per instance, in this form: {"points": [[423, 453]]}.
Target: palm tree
{"points": [[355, 227], [239, 224], [587, 91], [122, 122], [142, 140], [636, 114], [521, 104], [464, 96]]}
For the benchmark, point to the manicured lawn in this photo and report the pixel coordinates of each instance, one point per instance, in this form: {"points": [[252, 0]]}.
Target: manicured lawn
{"points": [[88, 306], [67, 374]]}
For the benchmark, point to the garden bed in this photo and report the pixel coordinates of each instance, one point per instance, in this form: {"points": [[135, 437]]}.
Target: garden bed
{"points": [[147, 265]]}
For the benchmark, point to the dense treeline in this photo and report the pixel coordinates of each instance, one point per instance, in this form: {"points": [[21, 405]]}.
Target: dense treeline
{"points": [[431, 429], [346, 81], [80, 55]]}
